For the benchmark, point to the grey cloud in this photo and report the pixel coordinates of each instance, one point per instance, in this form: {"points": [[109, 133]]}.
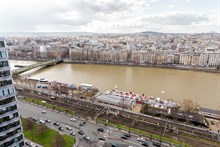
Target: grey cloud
{"points": [[176, 18]]}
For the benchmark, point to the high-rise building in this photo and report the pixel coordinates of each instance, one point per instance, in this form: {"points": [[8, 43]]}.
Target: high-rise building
{"points": [[11, 132]]}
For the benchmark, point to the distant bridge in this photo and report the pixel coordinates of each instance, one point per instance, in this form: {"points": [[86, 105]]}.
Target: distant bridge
{"points": [[41, 64]]}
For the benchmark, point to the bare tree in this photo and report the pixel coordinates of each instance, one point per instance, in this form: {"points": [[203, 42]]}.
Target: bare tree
{"points": [[59, 141], [189, 107], [41, 129], [28, 124]]}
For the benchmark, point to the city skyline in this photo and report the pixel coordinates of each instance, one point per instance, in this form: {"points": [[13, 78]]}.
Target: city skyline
{"points": [[99, 16]]}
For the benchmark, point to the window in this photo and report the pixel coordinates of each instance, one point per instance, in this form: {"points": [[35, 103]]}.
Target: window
{"points": [[2, 44], [5, 73], [4, 64], [5, 83], [3, 54]]}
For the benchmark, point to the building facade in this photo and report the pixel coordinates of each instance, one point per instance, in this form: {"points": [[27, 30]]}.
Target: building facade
{"points": [[11, 132]]}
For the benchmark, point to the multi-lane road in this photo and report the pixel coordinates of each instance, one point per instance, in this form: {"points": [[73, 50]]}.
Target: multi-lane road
{"points": [[112, 135]]}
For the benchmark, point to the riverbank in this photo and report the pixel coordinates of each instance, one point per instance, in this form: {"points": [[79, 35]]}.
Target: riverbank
{"points": [[167, 66], [177, 67]]}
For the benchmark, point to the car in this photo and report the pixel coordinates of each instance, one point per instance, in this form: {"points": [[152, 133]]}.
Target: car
{"points": [[35, 119], [27, 143], [84, 122], [42, 121], [114, 145], [47, 120], [157, 144], [43, 111], [56, 123], [141, 139], [81, 124], [72, 133], [103, 139], [68, 128], [81, 132], [100, 129], [60, 128], [72, 119], [144, 143], [86, 137], [124, 137], [127, 135]]}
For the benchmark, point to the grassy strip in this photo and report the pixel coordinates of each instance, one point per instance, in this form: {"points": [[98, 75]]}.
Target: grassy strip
{"points": [[154, 136], [47, 138], [61, 109]]}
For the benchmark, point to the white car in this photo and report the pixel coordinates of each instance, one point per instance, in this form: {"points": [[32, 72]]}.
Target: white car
{"points": [[48, 121], [42, 121], [68, 128], [73, 119], [44, 112], [141, 139], [73, 133], [86, 137]]}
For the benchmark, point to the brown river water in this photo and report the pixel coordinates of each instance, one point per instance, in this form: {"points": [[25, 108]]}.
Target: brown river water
{"points": [[201, 87]]}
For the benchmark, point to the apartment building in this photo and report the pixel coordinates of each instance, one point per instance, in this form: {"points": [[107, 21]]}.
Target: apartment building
{"points": [[11, 133]]}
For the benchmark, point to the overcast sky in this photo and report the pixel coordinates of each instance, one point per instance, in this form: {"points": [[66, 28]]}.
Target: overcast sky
{"points": [[110, 16]]}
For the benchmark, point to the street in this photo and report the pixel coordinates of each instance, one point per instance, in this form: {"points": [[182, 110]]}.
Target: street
{"points": [[112, 135]]}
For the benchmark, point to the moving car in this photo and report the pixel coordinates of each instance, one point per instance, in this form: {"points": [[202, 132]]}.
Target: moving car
{"points": [[43, 111], [127, 135], [124, 137], [141, 139], [144, 144], [72, 119], [157, 144], [81, 124], [100, 129]]}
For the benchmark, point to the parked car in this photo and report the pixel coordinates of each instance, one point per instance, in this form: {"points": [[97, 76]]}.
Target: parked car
{"points": [[103, 139], [35, 119], [157, 144], [43, 111], [86, 137], [100, 129], [60, 128], [81, 124], [72, 119], [56, 123], [47, 120], [144, 143], [127, 135], [114, 145], [42, 121], [68, 128], [124, 137], [84, 122], [81, 132], [141, 139], [72, 133]]}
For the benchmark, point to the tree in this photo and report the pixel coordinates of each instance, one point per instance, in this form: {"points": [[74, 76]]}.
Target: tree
{"points": [[41, 129], [28, 124], [189, 106], [59, 141]]}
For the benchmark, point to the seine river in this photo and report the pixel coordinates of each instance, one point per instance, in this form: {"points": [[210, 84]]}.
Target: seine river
{"points": [[201, 87]]}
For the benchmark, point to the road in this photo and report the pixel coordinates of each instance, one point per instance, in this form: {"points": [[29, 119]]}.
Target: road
{"points": [[112, 135]]}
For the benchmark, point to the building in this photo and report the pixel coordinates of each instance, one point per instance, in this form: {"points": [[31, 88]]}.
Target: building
{"points": [[11, 132]]}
